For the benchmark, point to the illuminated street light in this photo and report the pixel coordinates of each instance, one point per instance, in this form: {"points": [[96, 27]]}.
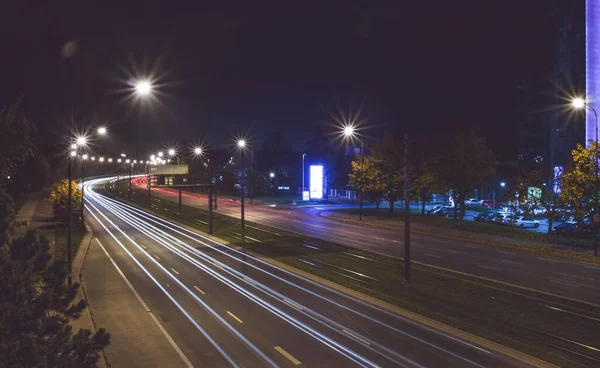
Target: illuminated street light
{"points": [[160, 154], [101, 159], [271, 175], [102, 130], [127, 161], [578, 103], [349, 131], [81, 141], [73, 153], [85, 157], [143, 88], [123, 155], [93, 158], [110, 160], [74, 146], [502, 184], [119, 160], [152, 157], [241, 143], [135, 161], [171, 152], [197, 151]]}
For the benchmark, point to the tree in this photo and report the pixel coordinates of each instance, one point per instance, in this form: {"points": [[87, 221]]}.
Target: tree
{"points": [[36, 306], [465, 167], [535, 189], [15, 141], [424, 181], [370, 178], [59, 199], [578, 183]]}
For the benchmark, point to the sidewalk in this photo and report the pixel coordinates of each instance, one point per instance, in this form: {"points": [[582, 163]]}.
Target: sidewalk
{"points": [[136, 338]]}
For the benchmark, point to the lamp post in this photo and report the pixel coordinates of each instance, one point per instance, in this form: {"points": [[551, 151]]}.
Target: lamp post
{"points": [[580, 103], [242, 146], [303, 155], [83, 160], [350, 132]]}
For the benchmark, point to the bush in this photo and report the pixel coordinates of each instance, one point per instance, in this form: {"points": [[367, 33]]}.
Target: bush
{"points": [[59, 199]]}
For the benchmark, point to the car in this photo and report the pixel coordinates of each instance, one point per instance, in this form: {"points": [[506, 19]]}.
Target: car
{"points": [[509, 219], [432, 210], [498, 218], [481, 216], [449, 211], [573, 229], [490, 217], [472, 201], [524, 222], [491, 204], [440, 211]]}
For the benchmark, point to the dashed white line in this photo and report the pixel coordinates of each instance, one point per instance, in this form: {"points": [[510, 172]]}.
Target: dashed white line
{"points": [[143, 246], [157, 257], [432, 255], [489, 268], [289, 356], [256, 240], [565, 283], [235, 317], [174, 270], [200, 291], [504, 252], [548, 260], [515, 263]]}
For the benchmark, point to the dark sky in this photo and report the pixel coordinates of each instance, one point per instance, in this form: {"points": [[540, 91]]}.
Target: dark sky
{"points": [[426, 67]]}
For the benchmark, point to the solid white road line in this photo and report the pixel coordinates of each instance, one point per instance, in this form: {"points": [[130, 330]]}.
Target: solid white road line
{"points": [[235, 317], [186, 361], [288, 355]]}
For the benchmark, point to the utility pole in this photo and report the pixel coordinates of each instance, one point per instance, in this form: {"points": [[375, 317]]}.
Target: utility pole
{"points": [[148, 179], [69, 236], [82, 189], [251, 173], [407, 215], [362, 177], [210, 210], [242, 185]]}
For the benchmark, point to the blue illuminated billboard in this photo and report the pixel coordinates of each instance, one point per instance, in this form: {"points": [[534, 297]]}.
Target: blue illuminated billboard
{"points": [[316, 181]]}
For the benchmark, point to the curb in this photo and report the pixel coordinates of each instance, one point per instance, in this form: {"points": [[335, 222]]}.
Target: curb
{"points": [[79, 261], [440, 327]]}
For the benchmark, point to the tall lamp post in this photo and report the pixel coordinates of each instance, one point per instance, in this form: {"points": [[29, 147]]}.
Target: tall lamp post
{"points": [[242, 146], [580, 103], [350, 132], [303, 155]]}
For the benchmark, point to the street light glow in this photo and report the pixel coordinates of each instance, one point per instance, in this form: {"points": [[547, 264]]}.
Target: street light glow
{"points": [[135, 161], [127, 161], [143, 88], [85, 157], [81, 141], [152, 157], [73, 153], [123, 155], [272, 175], [101, 159], [241, 143], [349, 131], [503, 184], [197, 151], [171, 152], [74, 146], [110, 160], [102, 130], [578, 103], [119, 160], [160, 154]]}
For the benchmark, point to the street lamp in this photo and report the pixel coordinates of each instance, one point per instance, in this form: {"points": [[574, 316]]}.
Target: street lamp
{"points": [[242, 146], [171, 152], [143, 88], [102, 130], [349, 132], [81, 141], [580, 103], [197, 151], [303, 155], [271, 175], [502, 184], [160, 154]]}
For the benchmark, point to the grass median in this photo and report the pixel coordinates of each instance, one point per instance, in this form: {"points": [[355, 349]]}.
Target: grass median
{"points": [[557, 330]]}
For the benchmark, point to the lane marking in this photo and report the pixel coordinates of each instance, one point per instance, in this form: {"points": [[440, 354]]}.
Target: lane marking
{"points": [[548, 260], [174, 270], [511, 262], [292, 304], [256, 240], [186, 361], [432, 255], [288, 355], [266, 231], [157, 257], [200, 291], [356, 337], [565, 283], [204, 222], [489, 268], [235, 317], [143, 246], [504, 252]]}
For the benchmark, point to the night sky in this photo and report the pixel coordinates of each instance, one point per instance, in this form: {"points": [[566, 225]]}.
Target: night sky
{"points": [[424, 67]]}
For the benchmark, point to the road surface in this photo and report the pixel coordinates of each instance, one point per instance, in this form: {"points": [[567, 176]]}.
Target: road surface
{"points": [[225, 308], [557, 276]]}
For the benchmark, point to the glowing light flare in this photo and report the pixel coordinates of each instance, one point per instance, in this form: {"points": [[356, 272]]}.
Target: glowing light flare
{"points": [[316, 181], [171, 152], [74, 146], [73, 153], [127, 161], [578, 103], [81, 141], [85, 157], [241, 143], [271, 175], [119, 160], [102, 130], [101, 159], [110, 160], [349, 131], [143, 88], [197, 151], [160, 154]]}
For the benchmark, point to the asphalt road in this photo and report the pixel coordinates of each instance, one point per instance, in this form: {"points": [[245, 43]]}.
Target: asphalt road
{"points": [[557, 276], [226, 308]]}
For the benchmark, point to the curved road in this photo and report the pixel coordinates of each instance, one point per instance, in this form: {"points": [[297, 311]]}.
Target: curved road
{"points": [[226, 308]]}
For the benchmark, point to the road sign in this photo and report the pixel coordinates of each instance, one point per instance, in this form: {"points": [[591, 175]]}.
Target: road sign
{"points": [[168, 170]]}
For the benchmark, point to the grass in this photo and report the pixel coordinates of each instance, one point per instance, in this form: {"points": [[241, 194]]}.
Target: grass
{"points": [[527, 321], [60, 241]]}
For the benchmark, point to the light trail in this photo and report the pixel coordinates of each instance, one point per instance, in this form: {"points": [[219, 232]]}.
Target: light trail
{"points": [[174, 227]]}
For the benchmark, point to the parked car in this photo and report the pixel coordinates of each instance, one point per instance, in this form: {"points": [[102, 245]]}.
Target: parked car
{"points": [[490, 203], [572, 229], [509, 219], [524, 222], [440, 211], [498, 218], [472, 201], [481, 216], [449, 211], [490, 217], [432, 210]]}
